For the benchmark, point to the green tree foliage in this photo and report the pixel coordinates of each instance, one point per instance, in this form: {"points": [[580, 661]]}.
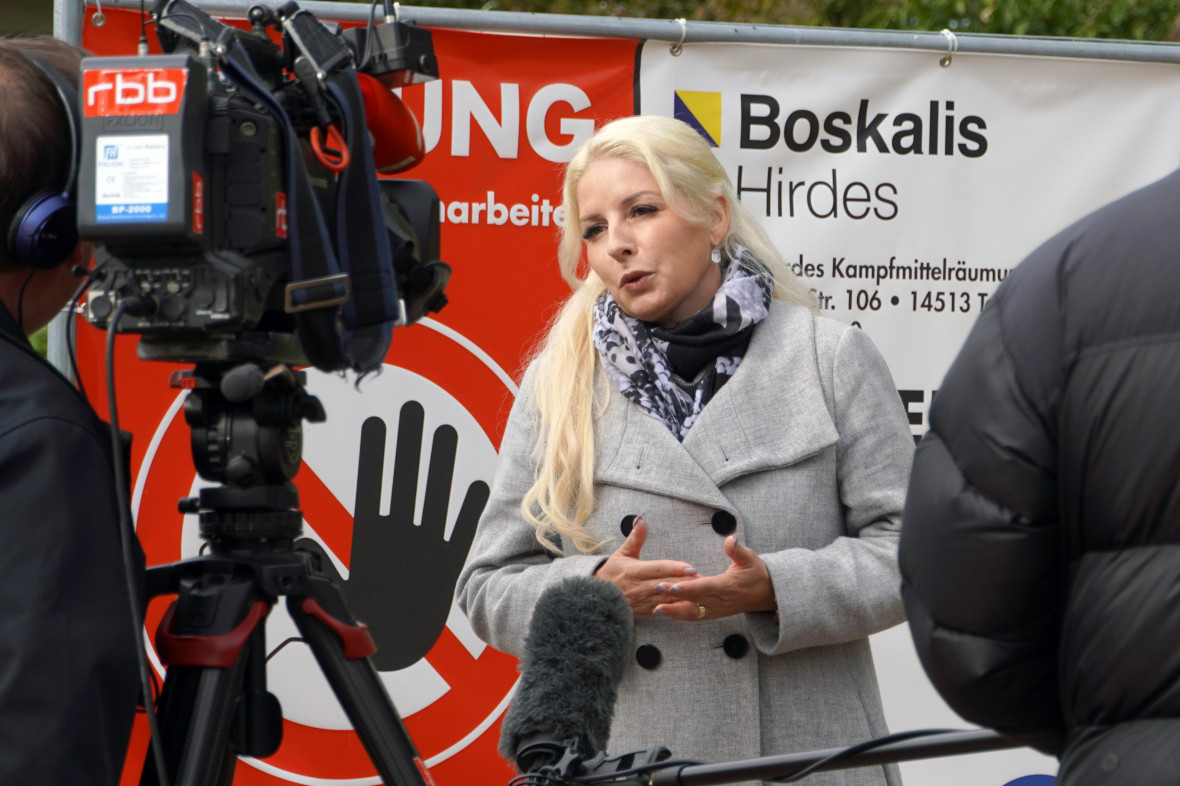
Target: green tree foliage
{"points": [[1144, 20], [40, 341]]}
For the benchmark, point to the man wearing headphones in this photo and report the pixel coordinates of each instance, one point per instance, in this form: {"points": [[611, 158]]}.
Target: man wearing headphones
{"points": [[68, 676]]}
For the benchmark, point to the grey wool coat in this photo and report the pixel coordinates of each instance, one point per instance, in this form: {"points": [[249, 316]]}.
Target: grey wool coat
{"points": [[805, 453]]}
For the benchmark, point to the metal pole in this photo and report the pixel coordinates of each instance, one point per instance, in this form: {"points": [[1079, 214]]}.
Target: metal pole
{"points": [[671, 31], [67, 25], [67, 20], [948, 743]]}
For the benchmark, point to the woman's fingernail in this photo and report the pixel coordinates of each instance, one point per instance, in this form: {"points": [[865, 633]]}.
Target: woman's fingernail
{"points": [[658, 612], [661, 588], [690, 571], [675, 590]]}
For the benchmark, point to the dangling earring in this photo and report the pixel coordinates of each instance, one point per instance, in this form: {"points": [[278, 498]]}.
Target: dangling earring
{"points": [[715, 255]]}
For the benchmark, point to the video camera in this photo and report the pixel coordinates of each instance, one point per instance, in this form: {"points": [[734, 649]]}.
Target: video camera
{"points": [[231, 189]]}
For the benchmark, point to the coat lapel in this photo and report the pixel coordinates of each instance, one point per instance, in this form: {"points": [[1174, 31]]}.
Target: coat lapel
{"points": [[639, 452], [770, 414]]}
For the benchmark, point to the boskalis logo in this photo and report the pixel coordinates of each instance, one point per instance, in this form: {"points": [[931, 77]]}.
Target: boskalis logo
{"points": [[934, 130], [134, 91], [702, 111]]}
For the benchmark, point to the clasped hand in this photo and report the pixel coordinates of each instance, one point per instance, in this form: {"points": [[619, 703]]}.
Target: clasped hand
{"points": [[674, 589]]}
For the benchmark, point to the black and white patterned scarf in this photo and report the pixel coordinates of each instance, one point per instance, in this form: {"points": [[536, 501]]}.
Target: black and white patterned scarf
{"points": [[674, 372]]}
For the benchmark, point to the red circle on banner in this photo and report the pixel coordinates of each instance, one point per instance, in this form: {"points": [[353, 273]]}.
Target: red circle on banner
{"points": [[478, 687]]}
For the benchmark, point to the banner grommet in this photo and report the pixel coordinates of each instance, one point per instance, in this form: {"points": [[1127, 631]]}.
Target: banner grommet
{"points": [[678, 47], [952, 46]]}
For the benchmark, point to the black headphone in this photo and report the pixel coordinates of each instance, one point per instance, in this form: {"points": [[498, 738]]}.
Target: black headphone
{"points": [[44, 230]]}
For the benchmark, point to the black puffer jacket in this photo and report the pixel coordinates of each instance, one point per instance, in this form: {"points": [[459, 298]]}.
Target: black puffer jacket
{"points": [[1040, 552]]}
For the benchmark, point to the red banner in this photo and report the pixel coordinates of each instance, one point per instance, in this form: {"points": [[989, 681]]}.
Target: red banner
{"points": [[505, 114]]}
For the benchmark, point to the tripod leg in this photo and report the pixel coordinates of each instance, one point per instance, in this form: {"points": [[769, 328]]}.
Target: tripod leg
{"points": [[196, 711], [320, 615], [203, 639]]}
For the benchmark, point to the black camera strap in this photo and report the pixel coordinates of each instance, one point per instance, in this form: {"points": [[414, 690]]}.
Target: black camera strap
{"points": [[346, 314], [362, 240], [313, 258]]}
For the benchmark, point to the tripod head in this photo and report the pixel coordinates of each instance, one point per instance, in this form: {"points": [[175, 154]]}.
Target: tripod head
{"points": [[245, 410]]}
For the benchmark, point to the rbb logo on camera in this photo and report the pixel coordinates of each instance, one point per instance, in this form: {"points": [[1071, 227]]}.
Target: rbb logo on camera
{"points": [[138, 91]]}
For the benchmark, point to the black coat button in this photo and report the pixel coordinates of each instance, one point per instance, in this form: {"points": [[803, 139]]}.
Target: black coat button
{"points": [[627, 524], [724, 523], [648, 656], [736, 646]]}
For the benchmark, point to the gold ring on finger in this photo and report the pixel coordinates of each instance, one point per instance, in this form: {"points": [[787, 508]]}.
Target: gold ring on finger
{"points": [[701, 611]]}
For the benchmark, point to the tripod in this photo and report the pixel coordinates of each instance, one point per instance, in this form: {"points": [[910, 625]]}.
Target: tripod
{"points": [[214, 706]]}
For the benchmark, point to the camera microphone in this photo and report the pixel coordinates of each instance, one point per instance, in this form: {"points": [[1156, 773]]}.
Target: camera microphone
{"points": [[575, 653]]}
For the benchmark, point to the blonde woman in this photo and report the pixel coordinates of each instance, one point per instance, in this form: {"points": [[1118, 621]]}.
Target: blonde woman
{"points": [[692, 431]]}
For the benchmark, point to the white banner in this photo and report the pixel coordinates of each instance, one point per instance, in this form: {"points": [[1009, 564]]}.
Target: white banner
{"points": [[904, 191]]}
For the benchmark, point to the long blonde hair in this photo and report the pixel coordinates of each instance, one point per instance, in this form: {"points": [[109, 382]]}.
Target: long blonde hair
{"points": [[565, 372]]}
